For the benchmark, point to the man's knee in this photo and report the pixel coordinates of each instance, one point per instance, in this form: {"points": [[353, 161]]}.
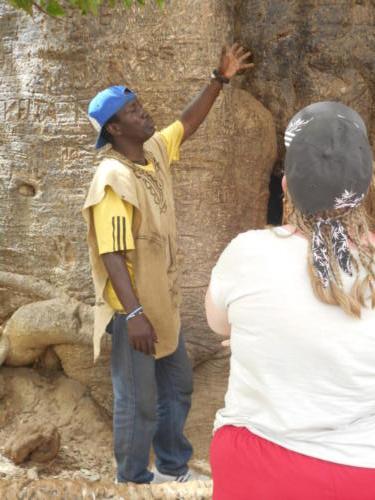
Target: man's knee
{"points": [[146, 403]]}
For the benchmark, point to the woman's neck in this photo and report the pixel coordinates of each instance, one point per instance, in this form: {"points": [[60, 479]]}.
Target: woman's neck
{"points": [[293, 230]]}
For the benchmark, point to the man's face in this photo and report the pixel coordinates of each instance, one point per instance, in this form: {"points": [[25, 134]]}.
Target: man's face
{"points": [[133, 122]]}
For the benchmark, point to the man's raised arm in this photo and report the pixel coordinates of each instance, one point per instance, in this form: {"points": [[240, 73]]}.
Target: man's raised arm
{"points": [[233, 59]]}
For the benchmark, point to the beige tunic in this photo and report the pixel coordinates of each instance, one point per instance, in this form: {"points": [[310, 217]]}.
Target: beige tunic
{"points": [[154, 231]]}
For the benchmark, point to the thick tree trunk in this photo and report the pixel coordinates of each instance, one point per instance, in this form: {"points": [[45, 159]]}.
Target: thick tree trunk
{"points": [[304, 51], [51, 70]]}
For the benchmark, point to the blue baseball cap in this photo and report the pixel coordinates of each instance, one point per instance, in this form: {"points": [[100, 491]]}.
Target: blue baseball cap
{"points": [[106, 104]]}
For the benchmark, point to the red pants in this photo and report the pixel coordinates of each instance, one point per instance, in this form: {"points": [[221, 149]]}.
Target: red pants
{"points": [[247, 467]]}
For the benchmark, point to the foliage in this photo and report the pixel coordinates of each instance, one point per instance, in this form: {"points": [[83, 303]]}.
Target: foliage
{"points": [[56, 8]]}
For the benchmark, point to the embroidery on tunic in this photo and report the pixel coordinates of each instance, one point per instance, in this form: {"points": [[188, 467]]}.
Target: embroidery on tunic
{"points": [[153, 182]]}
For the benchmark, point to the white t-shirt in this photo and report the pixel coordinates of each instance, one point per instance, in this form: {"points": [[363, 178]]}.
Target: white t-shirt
{"points": [[302, 373]]}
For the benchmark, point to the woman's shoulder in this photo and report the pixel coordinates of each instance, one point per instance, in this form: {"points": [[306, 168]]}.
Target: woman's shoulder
{"points": [[260, 242], [248, 242], [260, 236], [251, 248]]}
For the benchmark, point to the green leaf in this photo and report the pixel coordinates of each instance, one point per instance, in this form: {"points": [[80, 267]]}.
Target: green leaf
{"points": [[26, 5], [93, 6], [53, 8], [84, 6]]}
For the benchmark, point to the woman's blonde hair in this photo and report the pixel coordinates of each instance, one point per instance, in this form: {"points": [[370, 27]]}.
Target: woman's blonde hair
{"points": [[356, 222], [370, 203]]}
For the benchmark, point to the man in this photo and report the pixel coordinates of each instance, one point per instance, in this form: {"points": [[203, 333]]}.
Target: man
{"points": [[132, 243]]}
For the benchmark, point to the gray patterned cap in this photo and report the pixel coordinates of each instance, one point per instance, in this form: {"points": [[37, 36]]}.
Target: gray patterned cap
{"points": [[328, 163]]}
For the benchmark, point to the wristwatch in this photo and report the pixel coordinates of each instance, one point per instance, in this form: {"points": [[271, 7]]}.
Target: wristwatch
{"points": [[215, 75]]}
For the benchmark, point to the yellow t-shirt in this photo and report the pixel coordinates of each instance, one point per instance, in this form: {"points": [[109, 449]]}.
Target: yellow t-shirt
{"points": [[113, 217]]}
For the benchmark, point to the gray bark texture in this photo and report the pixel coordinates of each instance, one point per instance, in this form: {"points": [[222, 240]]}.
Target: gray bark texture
{"points": [[304, 51], [51, 69]]}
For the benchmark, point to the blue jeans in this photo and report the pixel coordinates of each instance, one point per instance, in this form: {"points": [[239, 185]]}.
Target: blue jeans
{"points": [[152, 399]]}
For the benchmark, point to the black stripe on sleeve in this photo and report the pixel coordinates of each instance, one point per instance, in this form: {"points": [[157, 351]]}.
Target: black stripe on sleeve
{"points": [[124, 232], [118, 234], [113, 234]]}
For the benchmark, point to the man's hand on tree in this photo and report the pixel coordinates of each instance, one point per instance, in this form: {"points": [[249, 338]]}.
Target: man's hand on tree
{"points": [[142, 336], [233, 60]]}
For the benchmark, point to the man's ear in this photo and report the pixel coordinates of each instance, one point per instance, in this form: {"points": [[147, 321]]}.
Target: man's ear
{"points": [[284, 184], [113, 128]]}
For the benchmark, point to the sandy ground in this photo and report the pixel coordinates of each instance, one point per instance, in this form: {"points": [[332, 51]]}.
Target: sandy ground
{"points": [[37, 397]]}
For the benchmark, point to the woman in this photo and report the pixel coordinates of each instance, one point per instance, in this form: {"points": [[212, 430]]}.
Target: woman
{"points": [[298, 302]]}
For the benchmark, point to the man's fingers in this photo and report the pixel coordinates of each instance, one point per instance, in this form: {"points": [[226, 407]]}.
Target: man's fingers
{"points": [[145, 347], [150, 346], [246, 66], [139, 345], [245, 56], [235, 47], [240, 51], [135, 345], [132, 342]]}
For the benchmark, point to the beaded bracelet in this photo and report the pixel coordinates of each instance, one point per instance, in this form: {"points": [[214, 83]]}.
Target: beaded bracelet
{"points": [[136, 312]]}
